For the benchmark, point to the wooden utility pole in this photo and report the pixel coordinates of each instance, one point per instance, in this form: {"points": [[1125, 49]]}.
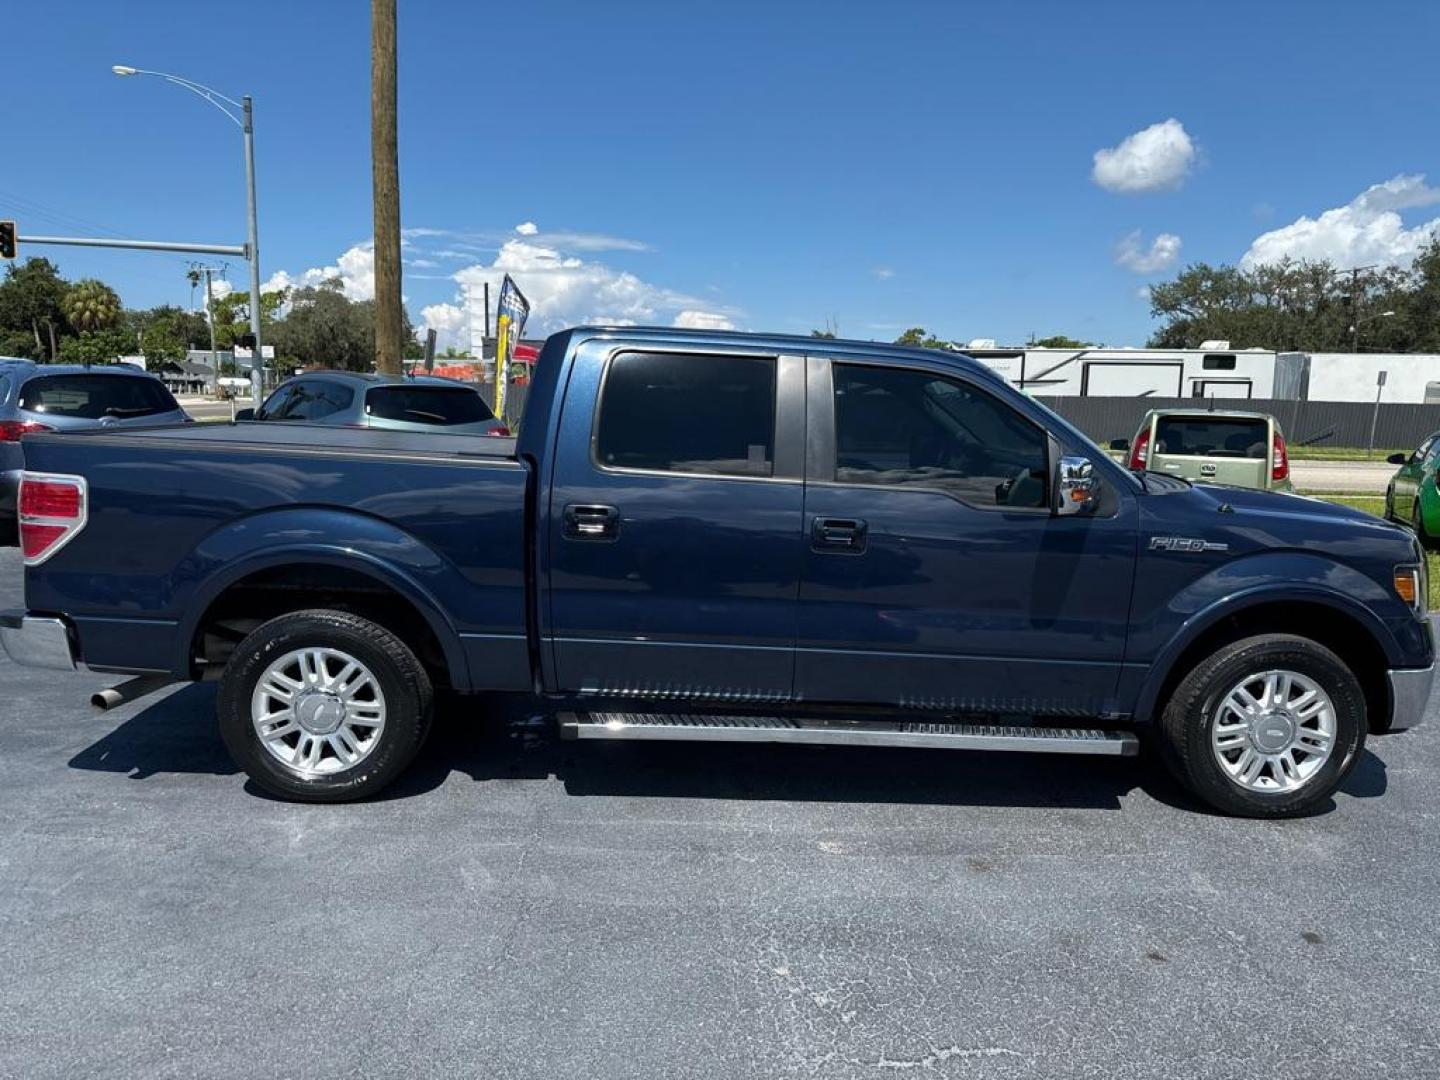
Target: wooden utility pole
{"points": [[389, 307]]}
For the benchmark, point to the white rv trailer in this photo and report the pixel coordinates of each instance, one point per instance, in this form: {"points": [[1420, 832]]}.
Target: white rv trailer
{"points": [[1216, 371], [1412, 378]]}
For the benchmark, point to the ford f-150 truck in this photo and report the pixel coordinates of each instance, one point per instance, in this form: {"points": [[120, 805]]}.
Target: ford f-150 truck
{"points": [[713, 536]]}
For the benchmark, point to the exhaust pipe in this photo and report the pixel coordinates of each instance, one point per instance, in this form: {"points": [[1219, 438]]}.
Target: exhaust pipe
{"points": [[129, 690]]}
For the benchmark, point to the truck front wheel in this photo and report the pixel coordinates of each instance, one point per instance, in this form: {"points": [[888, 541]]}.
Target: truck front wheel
{"points": [[324, 706], [1266, 727]]}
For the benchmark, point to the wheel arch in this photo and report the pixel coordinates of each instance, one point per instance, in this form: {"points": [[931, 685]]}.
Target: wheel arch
{"points": [[275, 581], [1330, 619]]}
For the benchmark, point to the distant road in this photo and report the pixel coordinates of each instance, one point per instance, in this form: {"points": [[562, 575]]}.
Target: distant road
{"points": [[1348, 477], [209, 409]]}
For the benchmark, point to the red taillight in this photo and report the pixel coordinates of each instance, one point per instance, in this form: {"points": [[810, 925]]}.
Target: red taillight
{"points": [[1280, 466], [11, 430], [1137, 452], [35, 539], [43, 499], [52, 510], [500, 432]]}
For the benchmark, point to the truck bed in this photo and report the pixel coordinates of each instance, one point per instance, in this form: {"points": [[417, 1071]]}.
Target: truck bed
{"points": [[177, 513]]}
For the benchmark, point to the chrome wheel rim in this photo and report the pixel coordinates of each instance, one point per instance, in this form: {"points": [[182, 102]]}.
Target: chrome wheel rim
{"points": [[318, 711], [1273, 731]]}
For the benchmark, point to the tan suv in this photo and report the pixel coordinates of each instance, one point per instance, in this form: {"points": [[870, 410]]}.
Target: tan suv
{"points": [[1239, 449]]}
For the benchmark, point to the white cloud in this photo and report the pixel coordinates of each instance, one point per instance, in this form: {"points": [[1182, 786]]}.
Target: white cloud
{"points": [[355, 269], [527, 228], [883, 272], [450, 323], [1368, 229], [1154, 159], [1131, 252], [702, 320], [220, 288], [565, 290]]}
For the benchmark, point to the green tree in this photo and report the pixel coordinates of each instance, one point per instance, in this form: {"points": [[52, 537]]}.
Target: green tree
{"points": [[1307, 306], [95, 347], [92, 305], [161, 342], [166, 332], [919, 336], [232, 315], [822, 333], [1061, 341], [326, 329], [32, 305]]}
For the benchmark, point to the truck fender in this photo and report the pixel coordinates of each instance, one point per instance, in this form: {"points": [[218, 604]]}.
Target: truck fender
{"points": [[354, 541], [1223, 606]]}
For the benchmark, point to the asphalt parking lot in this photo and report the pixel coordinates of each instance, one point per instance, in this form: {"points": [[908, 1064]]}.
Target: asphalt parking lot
{"points": [[522, 908]]}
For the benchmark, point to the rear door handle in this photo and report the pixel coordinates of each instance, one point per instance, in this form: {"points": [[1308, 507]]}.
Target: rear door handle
{"points": [[838, 536], [590, 521]]}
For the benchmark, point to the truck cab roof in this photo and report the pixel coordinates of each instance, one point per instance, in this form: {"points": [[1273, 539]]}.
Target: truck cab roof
{"points": [[783, 343]]}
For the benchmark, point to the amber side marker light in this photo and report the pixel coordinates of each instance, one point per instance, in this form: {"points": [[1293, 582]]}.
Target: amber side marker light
{"points": [[1407, 584]]}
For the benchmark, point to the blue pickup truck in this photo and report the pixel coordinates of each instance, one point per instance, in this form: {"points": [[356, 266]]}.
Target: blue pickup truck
{"points": [[708, 536]]}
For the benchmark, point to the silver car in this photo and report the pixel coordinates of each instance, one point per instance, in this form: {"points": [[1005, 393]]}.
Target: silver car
{"points": [[68, 397], [393, 402]]}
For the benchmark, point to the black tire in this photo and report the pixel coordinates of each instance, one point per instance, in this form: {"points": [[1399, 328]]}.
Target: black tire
{"points": [[404, 682], [1417, 524], [1389, 514], [1185, 725]]}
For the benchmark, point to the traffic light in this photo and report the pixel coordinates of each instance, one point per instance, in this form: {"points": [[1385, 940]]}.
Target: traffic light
{"points": [[7, 239]]}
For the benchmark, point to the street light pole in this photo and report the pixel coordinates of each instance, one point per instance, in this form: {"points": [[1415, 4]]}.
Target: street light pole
{"points": [[257, 359], [245, 122]]}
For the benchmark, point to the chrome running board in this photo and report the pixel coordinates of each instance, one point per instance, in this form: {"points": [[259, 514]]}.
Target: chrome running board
{"points": [[945, 735]]}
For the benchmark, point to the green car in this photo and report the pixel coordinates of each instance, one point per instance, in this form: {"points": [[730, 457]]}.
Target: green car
{"points": [[1211, 446], [1411, 496]]}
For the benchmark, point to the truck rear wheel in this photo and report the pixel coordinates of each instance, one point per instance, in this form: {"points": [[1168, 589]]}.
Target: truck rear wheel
{"points": [[324, 706], [1267, 727]]}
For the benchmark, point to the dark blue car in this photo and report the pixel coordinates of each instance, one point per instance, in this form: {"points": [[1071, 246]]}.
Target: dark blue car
{"points": [[703, 536]]}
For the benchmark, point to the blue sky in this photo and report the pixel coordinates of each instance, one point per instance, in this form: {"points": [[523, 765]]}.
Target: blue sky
{"points": [[766, 165]]}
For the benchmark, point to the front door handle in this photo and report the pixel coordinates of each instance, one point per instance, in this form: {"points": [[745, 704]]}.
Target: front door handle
{"points": [[838, 536], [591, 521]]}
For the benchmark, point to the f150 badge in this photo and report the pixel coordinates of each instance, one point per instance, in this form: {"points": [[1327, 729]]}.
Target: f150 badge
{"points": [[1185, 543]]}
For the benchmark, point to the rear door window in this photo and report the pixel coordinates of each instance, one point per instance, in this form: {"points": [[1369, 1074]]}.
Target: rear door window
{"points": [[668, 412], [1219, 436], [95, 397], [443, 406]]}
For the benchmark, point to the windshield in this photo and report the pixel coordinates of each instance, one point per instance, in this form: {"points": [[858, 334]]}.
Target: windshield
{"points": [[95, 397], [441, 405]]}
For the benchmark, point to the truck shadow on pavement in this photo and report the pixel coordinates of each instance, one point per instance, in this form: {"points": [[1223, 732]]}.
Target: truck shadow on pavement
{"points": [[516, 740]]}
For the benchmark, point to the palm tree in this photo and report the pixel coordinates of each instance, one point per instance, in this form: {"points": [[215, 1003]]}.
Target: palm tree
{"points": [[92, 305]]}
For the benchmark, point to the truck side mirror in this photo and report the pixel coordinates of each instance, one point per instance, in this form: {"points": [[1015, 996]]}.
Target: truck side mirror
{"points": [[1076, 490], [1397, 459], [1119, 444], [244, 414]]}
